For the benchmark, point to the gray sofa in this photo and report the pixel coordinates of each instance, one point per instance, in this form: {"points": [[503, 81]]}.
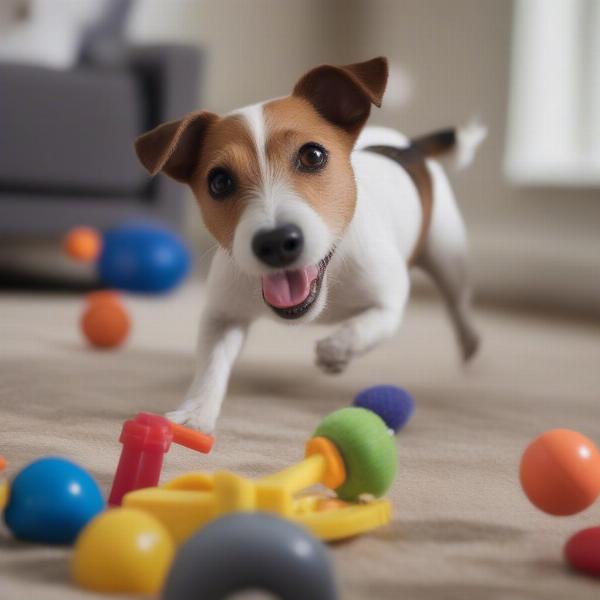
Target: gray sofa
{"points": [[66, 138]]}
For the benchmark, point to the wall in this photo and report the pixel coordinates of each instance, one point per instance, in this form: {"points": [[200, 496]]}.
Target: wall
{"points": [[255, 48]]}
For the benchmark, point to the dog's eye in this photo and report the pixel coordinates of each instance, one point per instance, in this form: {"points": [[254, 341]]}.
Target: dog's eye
{"points": [[220, 183], [312, 157]]}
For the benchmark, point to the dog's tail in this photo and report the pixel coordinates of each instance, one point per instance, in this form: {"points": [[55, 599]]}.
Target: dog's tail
{"points": [[461, 143]]}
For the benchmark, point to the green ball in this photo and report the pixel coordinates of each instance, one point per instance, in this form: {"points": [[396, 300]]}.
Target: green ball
{"points": [[367, 448]]}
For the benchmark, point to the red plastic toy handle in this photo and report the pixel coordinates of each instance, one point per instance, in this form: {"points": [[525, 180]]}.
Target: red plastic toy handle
{"points": [[146, 439]]}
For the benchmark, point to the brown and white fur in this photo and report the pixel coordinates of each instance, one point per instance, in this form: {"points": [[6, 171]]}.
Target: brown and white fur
{"points": [[308, 235]]}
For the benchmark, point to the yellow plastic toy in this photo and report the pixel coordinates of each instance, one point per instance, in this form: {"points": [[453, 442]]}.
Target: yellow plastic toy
{"points": [[123, 551], [352, 452]]}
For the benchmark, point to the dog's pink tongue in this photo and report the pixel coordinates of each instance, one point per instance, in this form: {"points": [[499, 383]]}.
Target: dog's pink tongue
{"points": [[288, 288]]}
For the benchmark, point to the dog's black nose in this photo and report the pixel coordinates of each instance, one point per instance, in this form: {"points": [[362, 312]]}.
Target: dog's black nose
{"points": [[278, 247]]}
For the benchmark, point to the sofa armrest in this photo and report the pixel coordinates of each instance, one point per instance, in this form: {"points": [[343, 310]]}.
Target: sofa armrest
{"points": [[170, 76]]}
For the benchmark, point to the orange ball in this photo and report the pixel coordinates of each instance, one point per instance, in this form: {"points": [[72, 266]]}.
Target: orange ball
{"points": [[560, 472], [104, 296], [105, 323], [83, 244]]}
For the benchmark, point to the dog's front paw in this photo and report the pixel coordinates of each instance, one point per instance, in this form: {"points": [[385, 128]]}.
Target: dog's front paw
{"points": [[197, 417], [333, 354]]}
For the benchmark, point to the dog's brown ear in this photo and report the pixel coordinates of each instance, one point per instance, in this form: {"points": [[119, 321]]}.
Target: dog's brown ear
{"points": [[343, 95], [174, 147]]}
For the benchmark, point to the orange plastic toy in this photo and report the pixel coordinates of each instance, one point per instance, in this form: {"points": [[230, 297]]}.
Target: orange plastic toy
{"points": [[83, 244], [192, 439], [560, 472], [105, 322]]}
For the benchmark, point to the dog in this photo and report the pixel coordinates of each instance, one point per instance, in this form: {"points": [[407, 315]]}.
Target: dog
{"points": [[317, 218]]}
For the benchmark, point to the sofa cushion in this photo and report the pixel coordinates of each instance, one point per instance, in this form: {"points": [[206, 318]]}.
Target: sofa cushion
{"points": [[70, 132]]}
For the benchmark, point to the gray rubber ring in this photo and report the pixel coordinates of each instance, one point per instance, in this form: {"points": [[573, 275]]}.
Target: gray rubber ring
{"points": [[251, 551]]}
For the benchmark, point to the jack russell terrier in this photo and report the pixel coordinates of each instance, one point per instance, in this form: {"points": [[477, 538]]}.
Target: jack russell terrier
{"points": [[316, 219]]}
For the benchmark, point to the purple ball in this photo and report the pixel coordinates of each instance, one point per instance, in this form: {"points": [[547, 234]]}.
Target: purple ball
{"points": [[393, 404]]}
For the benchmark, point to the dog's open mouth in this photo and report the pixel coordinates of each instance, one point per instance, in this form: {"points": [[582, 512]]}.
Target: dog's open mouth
{"points": [[292, 293]]}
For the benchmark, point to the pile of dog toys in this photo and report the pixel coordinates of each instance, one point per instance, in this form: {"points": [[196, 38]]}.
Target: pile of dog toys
{"points": [[560, 474], [222, 533], [219, 533]]}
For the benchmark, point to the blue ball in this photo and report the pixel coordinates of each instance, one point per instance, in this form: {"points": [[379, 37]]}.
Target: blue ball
{"points": [[393, 404], [51, 500], [143, 258]]}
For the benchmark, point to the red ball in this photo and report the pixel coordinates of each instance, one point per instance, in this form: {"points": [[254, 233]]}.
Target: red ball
{"points": [[560, 472], [582, 551]]}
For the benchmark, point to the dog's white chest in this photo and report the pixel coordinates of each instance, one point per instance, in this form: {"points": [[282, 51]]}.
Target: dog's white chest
{"points": [[383, 232]]}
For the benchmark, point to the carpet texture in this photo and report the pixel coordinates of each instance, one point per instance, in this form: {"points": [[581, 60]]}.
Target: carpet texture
{"points": [[462, 528]]}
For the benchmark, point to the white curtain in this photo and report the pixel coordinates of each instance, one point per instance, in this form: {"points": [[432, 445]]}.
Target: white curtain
{"points": [[554, 101]]}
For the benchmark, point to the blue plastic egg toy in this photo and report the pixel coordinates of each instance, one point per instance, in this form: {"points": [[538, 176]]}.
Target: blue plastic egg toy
{"points": [[143, 258], [51, 500], [393, 404]]}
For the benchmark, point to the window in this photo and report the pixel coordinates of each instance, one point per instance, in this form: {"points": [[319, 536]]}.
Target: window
{"points": [[553, 135]]}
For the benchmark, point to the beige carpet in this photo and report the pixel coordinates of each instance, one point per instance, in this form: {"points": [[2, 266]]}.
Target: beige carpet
{"points": [[462, 528]]}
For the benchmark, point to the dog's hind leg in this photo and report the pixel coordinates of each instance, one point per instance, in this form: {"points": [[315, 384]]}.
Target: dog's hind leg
{"points": [[445, 257]]}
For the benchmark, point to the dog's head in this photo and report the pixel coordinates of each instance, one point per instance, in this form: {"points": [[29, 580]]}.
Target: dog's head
{"points": [[274, 181]]}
